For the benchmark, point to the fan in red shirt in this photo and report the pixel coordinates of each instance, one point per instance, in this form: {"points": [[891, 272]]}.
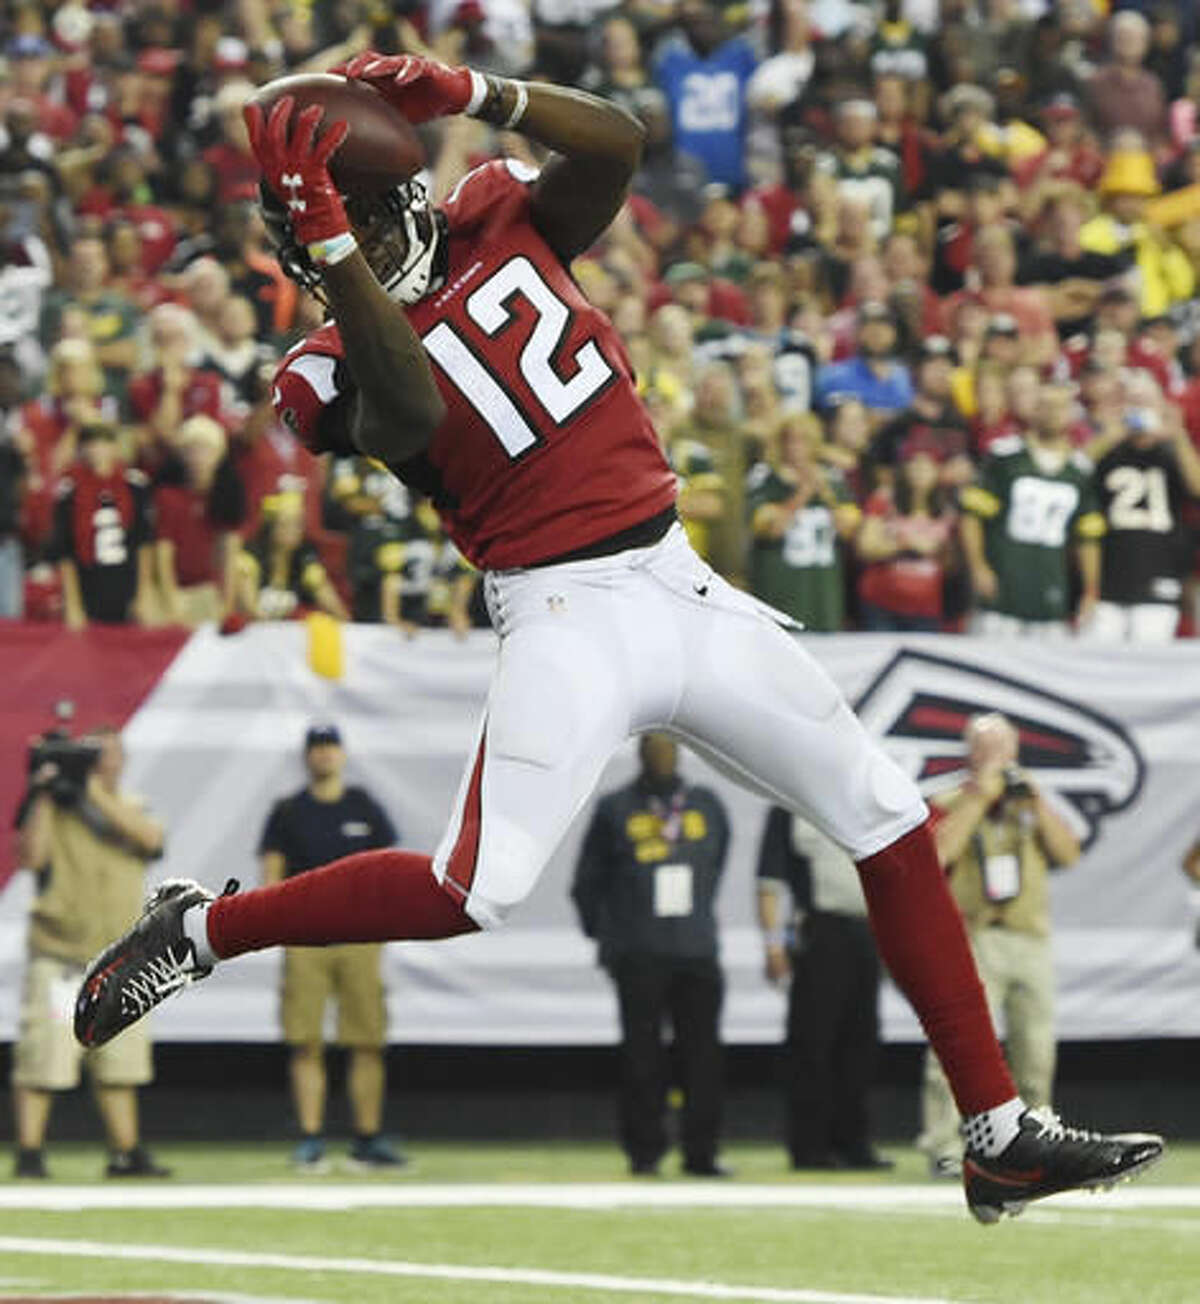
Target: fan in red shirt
{"points": [[230, 158], [74, 397], [196, 523], [463, 355], [173, 389]]}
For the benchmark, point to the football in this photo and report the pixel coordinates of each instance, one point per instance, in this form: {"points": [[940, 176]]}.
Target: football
{"points": [[382, 148]]}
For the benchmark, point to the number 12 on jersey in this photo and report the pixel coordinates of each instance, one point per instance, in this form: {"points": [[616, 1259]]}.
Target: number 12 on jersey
{"points": [[490, 308]]}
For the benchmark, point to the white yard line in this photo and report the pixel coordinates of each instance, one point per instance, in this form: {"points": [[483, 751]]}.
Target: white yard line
{"points": [[318, 1195], [643, 1286]]}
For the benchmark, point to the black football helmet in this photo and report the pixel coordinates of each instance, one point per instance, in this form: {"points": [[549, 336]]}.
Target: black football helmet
{"points": [[402, 237]]}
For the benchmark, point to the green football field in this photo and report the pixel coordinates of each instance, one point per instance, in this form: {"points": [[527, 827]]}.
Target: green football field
{"points": [[560, 1223]]}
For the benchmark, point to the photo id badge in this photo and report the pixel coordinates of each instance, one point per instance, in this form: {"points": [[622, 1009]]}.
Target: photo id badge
{"points": [[672, 891], [1001, 877]]}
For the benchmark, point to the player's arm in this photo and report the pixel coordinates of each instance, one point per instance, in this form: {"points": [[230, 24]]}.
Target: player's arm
{"points": [[597, 146], [397, 407]]}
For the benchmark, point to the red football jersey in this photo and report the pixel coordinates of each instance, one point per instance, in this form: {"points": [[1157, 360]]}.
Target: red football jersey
{"points": [[546, 446]]}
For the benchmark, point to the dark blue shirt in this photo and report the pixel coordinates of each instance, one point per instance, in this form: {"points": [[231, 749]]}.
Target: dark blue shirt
{"points": [[308, 832]]}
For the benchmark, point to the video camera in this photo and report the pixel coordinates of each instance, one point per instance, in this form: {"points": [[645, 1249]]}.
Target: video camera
{"points": [[73, 758]]}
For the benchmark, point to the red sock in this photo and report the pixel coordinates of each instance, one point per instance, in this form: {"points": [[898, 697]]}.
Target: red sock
{"points": [[374, 896], [921, 939]]}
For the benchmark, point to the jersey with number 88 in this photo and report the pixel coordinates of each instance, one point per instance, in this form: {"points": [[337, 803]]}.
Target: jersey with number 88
{"points": [[545, 447]]}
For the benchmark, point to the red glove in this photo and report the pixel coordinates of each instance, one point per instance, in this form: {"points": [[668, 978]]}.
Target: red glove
{"points": [[297, 169], [419, 88]]}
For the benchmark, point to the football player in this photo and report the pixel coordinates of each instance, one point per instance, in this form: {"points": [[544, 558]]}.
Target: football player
{"points": [[462, 354]]}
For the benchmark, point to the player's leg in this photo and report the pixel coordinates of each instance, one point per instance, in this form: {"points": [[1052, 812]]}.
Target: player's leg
{"points": [[761, 706], [941, 1138], [563, 698], [559, 706]]}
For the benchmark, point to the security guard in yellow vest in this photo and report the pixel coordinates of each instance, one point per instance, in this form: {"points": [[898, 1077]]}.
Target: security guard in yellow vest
{"points": [[88, 844], [999, 839]]}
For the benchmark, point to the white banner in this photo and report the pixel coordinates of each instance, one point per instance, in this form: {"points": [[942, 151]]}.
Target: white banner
{"points": [[1114, 734]]}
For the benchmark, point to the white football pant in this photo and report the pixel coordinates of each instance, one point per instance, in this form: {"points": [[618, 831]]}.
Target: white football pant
{"points": [[593, 652]]}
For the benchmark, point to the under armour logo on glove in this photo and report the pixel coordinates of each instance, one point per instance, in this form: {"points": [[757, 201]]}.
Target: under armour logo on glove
{"points": [[296, 165], [294, 182]]}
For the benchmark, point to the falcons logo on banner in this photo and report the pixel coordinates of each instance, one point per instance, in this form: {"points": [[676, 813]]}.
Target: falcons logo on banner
{"points": [[919, 705]]}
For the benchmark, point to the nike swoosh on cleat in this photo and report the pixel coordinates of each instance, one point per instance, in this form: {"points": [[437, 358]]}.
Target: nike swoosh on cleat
{"points": [[1014, 1176]]}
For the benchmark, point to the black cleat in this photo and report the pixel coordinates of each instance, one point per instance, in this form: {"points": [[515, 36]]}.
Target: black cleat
{"points": [[152, 961], [30, 1163], [138, 1162], [1046, 1156]]}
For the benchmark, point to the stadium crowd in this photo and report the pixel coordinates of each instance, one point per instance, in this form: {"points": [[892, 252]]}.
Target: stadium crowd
{"points": [[910, 288]]}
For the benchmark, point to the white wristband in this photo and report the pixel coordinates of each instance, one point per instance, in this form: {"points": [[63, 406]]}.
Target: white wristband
{"points": [[479, 90], [519, 107], [334, 250]]}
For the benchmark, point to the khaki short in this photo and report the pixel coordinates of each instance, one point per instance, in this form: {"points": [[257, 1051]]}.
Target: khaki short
{"points": [[47, 1056], [353, 976]]}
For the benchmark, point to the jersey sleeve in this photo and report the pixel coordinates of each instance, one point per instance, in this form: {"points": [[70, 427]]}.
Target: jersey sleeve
{"points": [[308, 382], [498, 191], [987, 496]]}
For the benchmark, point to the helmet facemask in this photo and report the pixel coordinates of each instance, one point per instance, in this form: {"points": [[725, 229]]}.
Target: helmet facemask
{"points": [[401, 239], [400, 234]]}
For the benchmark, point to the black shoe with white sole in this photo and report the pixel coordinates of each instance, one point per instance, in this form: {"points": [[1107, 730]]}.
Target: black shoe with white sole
{"points": [[1045, 1157], [154, 960]]}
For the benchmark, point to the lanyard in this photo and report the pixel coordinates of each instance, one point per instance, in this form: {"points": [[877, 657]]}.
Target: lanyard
{"points": [[670, 817]]}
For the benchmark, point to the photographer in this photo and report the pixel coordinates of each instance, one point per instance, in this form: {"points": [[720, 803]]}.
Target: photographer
{"points": [[999, 838], [88, 844]]}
